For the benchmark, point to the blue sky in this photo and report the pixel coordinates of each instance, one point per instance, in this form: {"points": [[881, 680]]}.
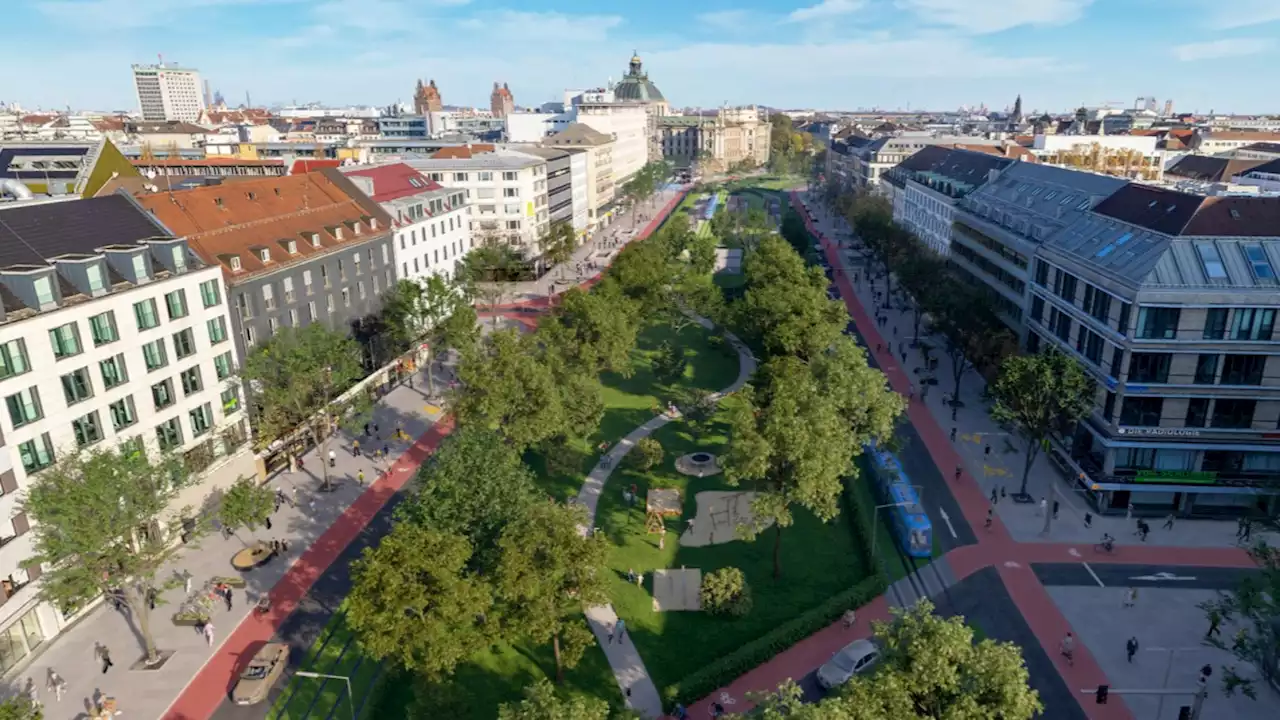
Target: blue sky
{"points": [[835, 54]]}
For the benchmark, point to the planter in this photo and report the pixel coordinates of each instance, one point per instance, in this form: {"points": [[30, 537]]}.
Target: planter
{"points": [[182, 620], [235, 582]]}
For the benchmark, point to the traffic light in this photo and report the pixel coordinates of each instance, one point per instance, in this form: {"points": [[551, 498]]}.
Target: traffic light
{"points": [[1102, 694], [1184, 713]]}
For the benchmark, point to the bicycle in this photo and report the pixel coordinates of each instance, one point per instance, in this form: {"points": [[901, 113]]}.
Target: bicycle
{"points": [[1106, 546]]}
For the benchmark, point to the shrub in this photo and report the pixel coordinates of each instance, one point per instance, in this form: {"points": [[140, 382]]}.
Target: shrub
{"points": [[726, 592], [646, 454]]}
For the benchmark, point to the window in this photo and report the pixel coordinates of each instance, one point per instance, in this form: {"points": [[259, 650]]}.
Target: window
{"points": [[113, 371], [1097, 303], [36, 454], [201, 420], [217, 330], [1243, 369], [153, 353], [13, 359], [65, 340], [268, 297], [244, 306], [1211, 261], [176, 302], [329, 303], [1109, 407], [306, 281], [484, 176], [162, 394], [24, 407], [230, 400], [1197, 412], [77, 386], [234, 263], [509, 176], [1042, 272], [355, 259], [1117, 358], [209, 293], [1215, 323], [1123, 325], [265, 255], [1257, 258], [386, 258], [103, 328], [191, 383], [44, 291], [184, 344], [1206, 369], [1253, 324], [1158, 323], [342, 270], [222, 366], [1141, 411], [122, 413], [1064, 286], [288, 289], [460, 177], [272, 326], [1149, 367], [311, 311], [169, 434], [1092, 346], [86, 429], [1060, 324], [1233, 414], [360, 289]]}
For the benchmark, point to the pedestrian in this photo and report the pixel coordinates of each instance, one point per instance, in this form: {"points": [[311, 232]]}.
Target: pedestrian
{"points": [[1131, 648], [355, 448], [151, 598], [717, 710], [1088, 520], [1044, 505], [995, 496], [268, 522], [1168, 522], [848, 619], [386, 451], [208, 633], [294, 492], [957, 472], [621, 629], [1239, 528], [1215, 619], [333, 458], [55, 683], [953, 434], [360, 478], [1130, 597], [611, 629], [679, 712], [284, 545], [104, 654], [366, 429], [631, 575], [986, 451], [640, 580], [988, 523], [1069, 649], [186, 581], [1128, 512], [226, 595], [1248, 529], [1055, 509]]}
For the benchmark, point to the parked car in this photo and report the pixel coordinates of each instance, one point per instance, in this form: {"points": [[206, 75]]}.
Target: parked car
{"points": [[263, 671], [855, 658]]}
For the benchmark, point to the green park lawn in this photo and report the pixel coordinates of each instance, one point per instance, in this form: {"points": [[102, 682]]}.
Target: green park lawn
{"points": [[335, 652]]}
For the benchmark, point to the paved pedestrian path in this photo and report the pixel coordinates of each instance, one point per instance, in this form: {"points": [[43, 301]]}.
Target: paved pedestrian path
{"points": [[317, 525], [628, 666]]}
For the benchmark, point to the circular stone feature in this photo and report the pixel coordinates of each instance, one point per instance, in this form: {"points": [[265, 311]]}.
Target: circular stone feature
{"points": [[699, 464]]}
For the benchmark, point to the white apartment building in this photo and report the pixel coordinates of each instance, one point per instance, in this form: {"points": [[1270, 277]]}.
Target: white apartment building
{"points": [[579, 177], [506, 189], [928, 185], [432, 223], [168, 92], [600, 185], [534, 127], [627, 122], [1129, 156], [116, 336]]}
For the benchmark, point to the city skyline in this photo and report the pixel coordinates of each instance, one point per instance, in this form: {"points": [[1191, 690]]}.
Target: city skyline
{"points": [[825, 54]]}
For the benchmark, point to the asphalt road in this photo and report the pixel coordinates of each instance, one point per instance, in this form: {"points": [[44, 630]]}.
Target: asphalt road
{"points": [[1165, 576]]}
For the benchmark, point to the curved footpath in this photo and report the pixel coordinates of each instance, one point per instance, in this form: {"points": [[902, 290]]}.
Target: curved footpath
{"points": [[628, 666]]}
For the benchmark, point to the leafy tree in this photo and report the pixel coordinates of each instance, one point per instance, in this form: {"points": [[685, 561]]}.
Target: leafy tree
{"points": [[1040, 395], [582, 397], [474, 485], [548, 574], [413, 602], [785, 309], [726, 592], [694, 295], [787, 703], [246, 504], [669, 363], [699, 409], [701, 249], [542, 703], [102, 522], [643, 271], [971, 332], [558, 244], [592, 332], [295, 381], [1254, 607], [422, 310], [794, 440], [505, 386], [21, 707], [647, 454]]}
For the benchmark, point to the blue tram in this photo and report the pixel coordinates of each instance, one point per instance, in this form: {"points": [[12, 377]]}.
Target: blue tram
{"points": [[910, 524]]}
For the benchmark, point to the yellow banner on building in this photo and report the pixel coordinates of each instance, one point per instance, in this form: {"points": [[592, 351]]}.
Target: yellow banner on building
{"points": [[529, 209]]}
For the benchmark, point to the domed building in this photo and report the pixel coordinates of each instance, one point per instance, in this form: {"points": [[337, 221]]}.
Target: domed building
{"points": [[636, 86]]}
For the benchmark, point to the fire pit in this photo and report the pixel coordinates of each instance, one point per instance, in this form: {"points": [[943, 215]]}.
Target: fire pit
{"points": [[698, 464]]}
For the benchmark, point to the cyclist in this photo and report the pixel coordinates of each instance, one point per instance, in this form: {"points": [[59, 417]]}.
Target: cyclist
{"points": [[1069, 649], [1108, 542]]}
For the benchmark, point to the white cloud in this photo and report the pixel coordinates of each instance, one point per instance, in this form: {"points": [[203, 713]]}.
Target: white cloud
{"points": [[1241, 13], [1226, 48], [987, 16], [826, 9]]}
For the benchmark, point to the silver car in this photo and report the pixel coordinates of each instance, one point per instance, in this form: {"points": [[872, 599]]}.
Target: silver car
{"points": [[855, 658]]}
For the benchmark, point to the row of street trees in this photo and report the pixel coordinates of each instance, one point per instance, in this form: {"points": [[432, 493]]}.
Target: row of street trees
{"points": [[790, 151], [642, 186]]}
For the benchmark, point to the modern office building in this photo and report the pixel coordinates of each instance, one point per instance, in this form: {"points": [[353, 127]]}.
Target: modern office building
{"points": [[293, 250], [111, 331], [601, 180], [432, 223], [1169, 300], [560, 189], [168, 92], [997, 229]]}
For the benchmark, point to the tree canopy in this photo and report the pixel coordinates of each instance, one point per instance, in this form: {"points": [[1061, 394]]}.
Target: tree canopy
{"points": [[246, 504], [592, 332], [1254, 607], [433, 310], [507, 387], [542, 703], [785, 309]]}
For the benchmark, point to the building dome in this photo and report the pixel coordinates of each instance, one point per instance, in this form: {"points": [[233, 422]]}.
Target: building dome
{"points": [[635, 85]]}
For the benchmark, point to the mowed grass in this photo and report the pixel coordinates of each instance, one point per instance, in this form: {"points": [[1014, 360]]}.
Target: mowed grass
{"points": [[632, 401], [818, 560], [335, 652]]}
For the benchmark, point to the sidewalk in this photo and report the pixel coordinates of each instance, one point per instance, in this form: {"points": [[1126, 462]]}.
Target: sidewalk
{"points": [[196, 679]]}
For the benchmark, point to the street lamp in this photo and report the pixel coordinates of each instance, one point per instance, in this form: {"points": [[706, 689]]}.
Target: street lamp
{"points": [[1168, 668], [326, 676]]}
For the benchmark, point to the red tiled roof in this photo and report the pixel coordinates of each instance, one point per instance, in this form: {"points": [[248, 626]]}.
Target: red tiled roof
{"points": [[463, 152], [309, 164], [394, 181], [220, 222]]}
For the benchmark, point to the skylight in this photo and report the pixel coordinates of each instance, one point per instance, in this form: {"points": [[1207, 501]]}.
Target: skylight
{"points": [[1110, 247], [1051, 196], [1084, 204], [1212, 261], [1066, 200], [1257, 258]]}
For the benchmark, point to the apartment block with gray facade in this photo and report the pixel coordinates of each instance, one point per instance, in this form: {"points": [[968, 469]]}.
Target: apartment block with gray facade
{"points": [[560, 188], [1170, 301]]}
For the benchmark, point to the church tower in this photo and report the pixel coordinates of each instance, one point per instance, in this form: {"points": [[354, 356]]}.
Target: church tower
{"points": [[426, 98], [501, 102]]}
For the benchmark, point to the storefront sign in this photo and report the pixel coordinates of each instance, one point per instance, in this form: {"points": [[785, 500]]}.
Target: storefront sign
{"points": [[1189, 477], [1159, 432]]}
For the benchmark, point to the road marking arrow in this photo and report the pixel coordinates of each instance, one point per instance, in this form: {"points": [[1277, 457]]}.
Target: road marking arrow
{"points": [[1161, 576], [947, 519], [1073, 552]]}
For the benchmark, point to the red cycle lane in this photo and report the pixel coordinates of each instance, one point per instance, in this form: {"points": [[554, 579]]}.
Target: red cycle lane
{"points": [[210, 687]]}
